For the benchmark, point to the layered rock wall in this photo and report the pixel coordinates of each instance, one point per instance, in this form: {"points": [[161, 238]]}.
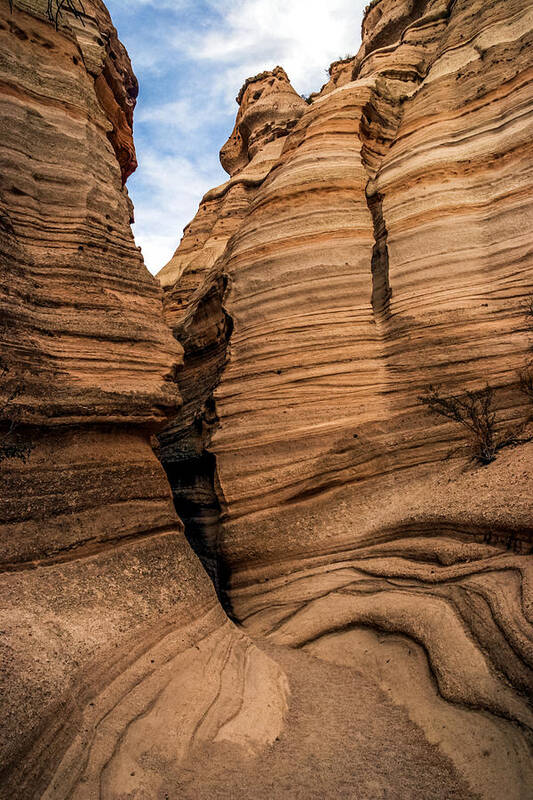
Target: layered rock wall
{"points": [[195, 288], [108, 618], [367, 244], [387, 249]]}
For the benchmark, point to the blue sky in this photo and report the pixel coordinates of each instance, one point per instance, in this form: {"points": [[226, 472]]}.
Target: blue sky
{"points": [[191, 58]]}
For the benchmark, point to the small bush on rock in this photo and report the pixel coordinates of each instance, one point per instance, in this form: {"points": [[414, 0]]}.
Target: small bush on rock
{"points": [[526, 382], [474, 411], [55, 9], [12, 445]]}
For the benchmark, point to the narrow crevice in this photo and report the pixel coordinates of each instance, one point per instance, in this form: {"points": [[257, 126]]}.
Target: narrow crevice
{"points": [[379, 126], [381, 288], [197, 505], [184, 451], [380, 123]]}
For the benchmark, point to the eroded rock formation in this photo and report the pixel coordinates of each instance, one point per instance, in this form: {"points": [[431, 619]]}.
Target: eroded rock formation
{"points": [[108, 618], [368, 244]]}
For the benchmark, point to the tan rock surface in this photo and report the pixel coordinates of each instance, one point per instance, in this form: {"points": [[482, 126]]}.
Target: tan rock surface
{"points": [[344, 737], [107, 617], [366, 244], [268, 110], [389, 248]]}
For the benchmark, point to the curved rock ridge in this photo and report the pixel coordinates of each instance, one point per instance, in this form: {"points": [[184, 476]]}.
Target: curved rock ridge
{"points": [[427, 595], [387, 249], [116, 656]]}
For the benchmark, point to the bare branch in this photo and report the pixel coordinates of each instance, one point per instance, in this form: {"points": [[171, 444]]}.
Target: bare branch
{"points": [[12, 444], [57, 7], [526, 381], [473, 410]]}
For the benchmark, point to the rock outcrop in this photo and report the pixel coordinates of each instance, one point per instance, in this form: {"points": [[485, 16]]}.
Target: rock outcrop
{"points": [[369, 244], [108, 620]]}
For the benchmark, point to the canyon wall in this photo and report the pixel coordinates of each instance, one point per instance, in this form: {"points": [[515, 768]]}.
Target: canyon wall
{"points": [[108, 618], [370, 242]]}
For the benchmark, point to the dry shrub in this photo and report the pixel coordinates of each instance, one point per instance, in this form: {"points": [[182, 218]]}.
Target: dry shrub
{"points": [[526, 382], [55, 9], [12, 444], [473, 410]]}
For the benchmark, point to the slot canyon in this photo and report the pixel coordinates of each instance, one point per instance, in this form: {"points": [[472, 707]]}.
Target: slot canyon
{"points": [[239, 557]]}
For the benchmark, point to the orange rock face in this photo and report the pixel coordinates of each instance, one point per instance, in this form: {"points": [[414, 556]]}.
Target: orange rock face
{"points": [[384, 246], [368, 243], [107, 617], [268, 110]]}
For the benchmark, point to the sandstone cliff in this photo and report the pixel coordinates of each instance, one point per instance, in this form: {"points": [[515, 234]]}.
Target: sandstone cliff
{"points": [[368, 244], [107, 617]]}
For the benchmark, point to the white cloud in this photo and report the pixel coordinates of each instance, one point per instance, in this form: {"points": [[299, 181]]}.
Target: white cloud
{"points": [[182, 114], [167, 191], [304, 35]]}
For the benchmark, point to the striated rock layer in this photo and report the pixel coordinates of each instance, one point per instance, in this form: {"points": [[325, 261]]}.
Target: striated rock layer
{"points": [[368, 244], [107, 618]]}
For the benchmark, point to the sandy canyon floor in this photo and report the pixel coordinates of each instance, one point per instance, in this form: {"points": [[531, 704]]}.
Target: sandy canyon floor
{"points": [[344, 737]]}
